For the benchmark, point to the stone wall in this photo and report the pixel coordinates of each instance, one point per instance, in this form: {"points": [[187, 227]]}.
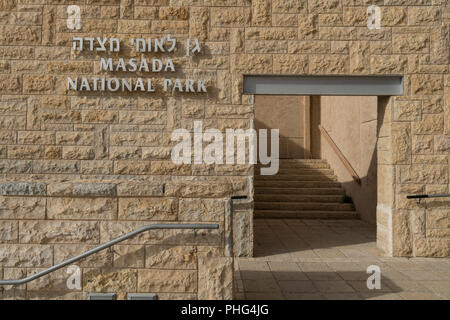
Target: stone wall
{"points": [[45, 224], [53, 136]]}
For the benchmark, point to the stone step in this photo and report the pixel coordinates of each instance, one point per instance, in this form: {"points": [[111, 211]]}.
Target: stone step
{"points": [[296, 184], [301, 171], [308, 191], [303, 188], [316, 214], [304, 161], [298, 198], [300, 163], [309, 206], [295, 177]]}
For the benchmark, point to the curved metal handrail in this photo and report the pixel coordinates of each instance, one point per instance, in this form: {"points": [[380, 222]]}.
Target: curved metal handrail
{"points": [[107, 245]]}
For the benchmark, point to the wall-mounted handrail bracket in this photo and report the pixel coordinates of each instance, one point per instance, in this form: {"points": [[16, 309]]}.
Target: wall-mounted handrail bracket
{"points": [[422, 196], [238, 197], [340, 155], [419, 197]]}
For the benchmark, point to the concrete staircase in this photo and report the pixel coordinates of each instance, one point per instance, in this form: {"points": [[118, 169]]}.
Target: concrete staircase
{"points": [[301, 189]]}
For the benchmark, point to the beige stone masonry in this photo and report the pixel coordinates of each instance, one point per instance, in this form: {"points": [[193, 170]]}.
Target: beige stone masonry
{"points": [[42, 224], [119, 143]]}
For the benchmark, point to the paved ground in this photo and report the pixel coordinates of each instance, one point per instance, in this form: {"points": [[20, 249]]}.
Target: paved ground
{"points": [[327, 259]]}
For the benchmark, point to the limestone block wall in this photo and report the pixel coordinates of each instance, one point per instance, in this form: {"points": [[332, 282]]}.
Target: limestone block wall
{"points": [[51, 135], [44, 224]]}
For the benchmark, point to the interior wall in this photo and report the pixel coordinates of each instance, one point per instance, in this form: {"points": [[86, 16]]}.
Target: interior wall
{"points": [[286, 113], [352, 124]]}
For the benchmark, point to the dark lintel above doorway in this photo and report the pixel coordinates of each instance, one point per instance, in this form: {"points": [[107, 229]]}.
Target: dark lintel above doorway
{"points": [[325, 85]]}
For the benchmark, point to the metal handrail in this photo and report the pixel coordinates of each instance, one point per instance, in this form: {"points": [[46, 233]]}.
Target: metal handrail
{"points": [[421, 196], [340, 155], [238, 197], [105, 246]]}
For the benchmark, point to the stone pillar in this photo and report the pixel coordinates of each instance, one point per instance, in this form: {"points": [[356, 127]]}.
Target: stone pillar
{"points": [[215, 275], [243, 228], [385, 177]]}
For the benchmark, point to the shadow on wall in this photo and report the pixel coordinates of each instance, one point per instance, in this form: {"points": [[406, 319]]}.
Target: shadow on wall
{"points": [[354, 125]]}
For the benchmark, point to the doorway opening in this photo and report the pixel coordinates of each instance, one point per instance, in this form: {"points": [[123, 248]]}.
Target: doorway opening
{"points": [[327, 179], [322, 204], [316, 225], [335, 136], [328, 167]]}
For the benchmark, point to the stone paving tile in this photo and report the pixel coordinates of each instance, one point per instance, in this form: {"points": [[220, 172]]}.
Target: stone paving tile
{"points": [[405, 285], [442, 265], [323, 276], [319, 271], [255, 275], [327, 259], [301, 255], [421, 275], [239, 296], [419, 296], [264, 296], [361, 286], [389, 273], [311, 222], [380, 296], [297, 286], [314, 267], [260, 285], [280, 257], [239, 286], [437, 286], [404, 265], [342, 296], [445, 295], [329, 253], [290, 275], [303, 296], [345, 266], [338, 286], [286, 270], [353, 275], [445, 275], [357, 253], [245, 265], [283, 266]]}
